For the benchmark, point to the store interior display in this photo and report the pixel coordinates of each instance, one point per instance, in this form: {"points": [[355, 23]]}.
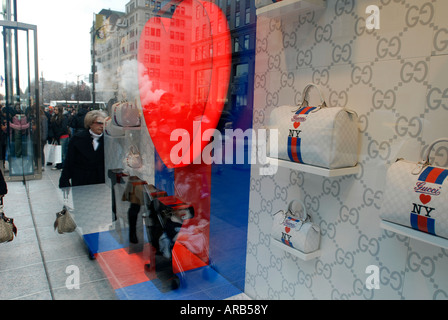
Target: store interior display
{"points": [[395, 95], [340, 138]]}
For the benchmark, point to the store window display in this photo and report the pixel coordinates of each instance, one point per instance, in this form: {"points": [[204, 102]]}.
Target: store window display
{"points": [[190, 81], [376, 70], [183, 69], [187, 96]]}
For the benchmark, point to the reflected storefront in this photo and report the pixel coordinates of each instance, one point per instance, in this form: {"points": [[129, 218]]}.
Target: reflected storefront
{"points": [[179, 194], [20, 144], [194, 216]]}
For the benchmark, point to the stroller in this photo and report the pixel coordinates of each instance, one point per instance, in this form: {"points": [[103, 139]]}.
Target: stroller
{"points": [[164, 219]]}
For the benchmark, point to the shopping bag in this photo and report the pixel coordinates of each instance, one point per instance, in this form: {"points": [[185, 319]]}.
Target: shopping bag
{"points": [[53, 153], [47, 152], [57, 157]]}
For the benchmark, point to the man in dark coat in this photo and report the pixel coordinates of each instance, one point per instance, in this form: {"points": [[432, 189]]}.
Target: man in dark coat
{"points": [[76, 121]]}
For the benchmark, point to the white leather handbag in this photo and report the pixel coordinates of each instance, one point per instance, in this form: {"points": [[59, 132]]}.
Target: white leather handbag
{"points": [[295, 229], [112, 130], [133, 158], [126, 114], [416, 195], [320, 136]]}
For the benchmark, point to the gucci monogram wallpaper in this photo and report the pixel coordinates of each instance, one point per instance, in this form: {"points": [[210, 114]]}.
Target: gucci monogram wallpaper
{"points": [[395, 78]]}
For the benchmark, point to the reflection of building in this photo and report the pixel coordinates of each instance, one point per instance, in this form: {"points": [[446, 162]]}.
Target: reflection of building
{"points": [[122, 44], [241, 16], [106, 55], [169, 59]]}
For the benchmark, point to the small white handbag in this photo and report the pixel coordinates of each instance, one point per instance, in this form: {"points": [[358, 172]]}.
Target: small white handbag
{"points": [[126, 114], [295, 229], [133, 158], [416, 195], [319, 136], [112, 130]]}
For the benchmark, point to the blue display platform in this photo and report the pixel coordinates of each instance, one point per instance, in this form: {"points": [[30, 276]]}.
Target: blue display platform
{"points": [[130, 279]]}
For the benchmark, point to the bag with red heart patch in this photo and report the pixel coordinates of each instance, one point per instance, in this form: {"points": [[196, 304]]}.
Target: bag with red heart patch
{"points": [[416, 195], [318, 136], [295, 229]]}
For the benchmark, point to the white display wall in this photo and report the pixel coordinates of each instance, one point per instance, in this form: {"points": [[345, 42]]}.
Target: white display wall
{"points": [[396, 79]]}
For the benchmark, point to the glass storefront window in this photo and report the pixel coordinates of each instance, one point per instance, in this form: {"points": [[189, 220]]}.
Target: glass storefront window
{"points": [[195, 93]]}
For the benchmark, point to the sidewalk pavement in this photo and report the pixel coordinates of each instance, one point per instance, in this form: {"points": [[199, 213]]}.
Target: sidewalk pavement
{"points": [[36, 264]]}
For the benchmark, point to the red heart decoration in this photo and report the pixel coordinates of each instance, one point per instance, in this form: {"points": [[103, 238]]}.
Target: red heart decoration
{"points": [[287, 229], [184, 71], [424, 198], [296, 125]]}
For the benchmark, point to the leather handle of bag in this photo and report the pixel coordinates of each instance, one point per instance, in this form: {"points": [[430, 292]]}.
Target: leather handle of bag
{"points": [[431, 146], [305, 94], [279, 212], [134, 150], [304, 216]]}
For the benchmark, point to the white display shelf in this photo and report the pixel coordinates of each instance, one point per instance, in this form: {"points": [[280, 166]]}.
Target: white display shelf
{"points": [[414, 234], [314, 170], [288, 6], [295, 252]]}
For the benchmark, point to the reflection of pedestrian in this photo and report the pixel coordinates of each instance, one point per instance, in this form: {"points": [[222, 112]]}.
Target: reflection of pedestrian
{"points": [[76, 121], [43, 132], [3, 137], [60, 130], [42, 135], [84, 163], [3, 186]]}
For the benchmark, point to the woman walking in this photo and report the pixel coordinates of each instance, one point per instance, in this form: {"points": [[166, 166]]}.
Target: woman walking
{"points": [[61, 133]]}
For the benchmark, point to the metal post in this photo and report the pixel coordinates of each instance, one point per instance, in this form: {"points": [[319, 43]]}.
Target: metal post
{"points": [[93, 63]]}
